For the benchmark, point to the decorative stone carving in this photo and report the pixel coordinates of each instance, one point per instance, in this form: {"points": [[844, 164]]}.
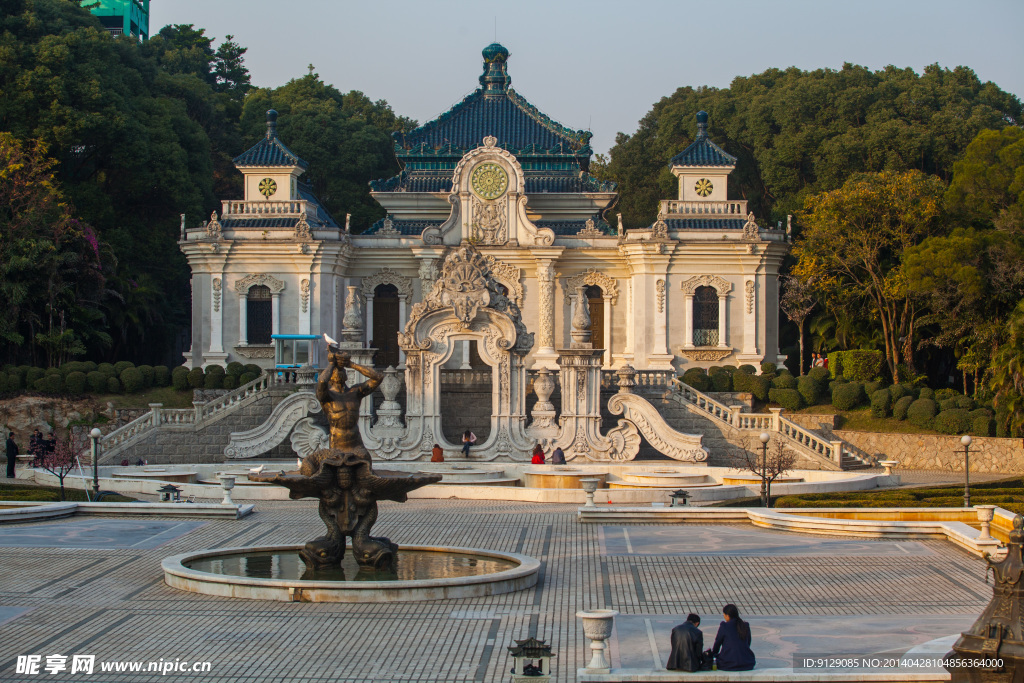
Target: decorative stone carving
{"points": [[254, 351], [388, 228], [386, 276], [428, 273], [213, 228], [546, 280], [659, 287], [660, 229], [721, 285], [463, 284], [646, 418], [286, 414], [434, 235], [304, 295], [307, 437], [590, 230], [272, 283], [352, 322], [510, 276], [217, 286], [750, 229], [627, 379], [543, 412], [302, 229], [708, 354], [581, 320], [489, 221], [592, 277], [749, 287]]}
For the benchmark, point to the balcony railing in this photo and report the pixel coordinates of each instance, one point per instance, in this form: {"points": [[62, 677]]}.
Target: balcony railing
{"points": [[676, 207], [292, 207]]}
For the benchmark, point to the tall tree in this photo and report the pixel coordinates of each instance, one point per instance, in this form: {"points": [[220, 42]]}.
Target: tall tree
{"points": [[798, 301]]}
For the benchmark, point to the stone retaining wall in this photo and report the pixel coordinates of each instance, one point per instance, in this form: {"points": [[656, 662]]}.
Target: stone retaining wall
{"points": [[939, 452]]}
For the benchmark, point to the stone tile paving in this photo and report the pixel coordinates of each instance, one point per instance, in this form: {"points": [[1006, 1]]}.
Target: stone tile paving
{"points": [[806, 594]]}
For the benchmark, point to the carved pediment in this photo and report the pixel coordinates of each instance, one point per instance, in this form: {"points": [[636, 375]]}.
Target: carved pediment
{"points": [[276, 286], [386, 276], [591, 277], [720, 285]]}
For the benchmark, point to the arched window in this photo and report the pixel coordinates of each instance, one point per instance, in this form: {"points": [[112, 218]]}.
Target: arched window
{"points": [[705, 317], [259, 315], [385, 325], [595, 305]]}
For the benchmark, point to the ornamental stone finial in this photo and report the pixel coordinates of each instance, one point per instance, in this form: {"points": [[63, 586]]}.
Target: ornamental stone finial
{"points": [[581, 321]]}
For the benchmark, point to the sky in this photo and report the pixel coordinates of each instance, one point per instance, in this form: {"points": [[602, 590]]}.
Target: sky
{"points": [[597, 65]]}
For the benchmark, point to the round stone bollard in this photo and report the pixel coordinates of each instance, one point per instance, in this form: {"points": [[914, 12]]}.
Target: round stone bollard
{"points": [[227, 483], [590, 486], [986, 513], [597, 626]]}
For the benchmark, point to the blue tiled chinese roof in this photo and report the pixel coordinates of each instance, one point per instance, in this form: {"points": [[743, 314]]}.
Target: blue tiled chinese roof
{"points": [[270, 151], [705, 223], [703, 152], [277, 222], [411, 228]]}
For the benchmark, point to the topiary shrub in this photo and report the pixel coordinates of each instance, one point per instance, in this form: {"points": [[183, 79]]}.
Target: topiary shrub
{"points": [[871, 387], [147, 375], [955, 421], [34, 375], [980, 412], [113, 386], [731, 369], [896, 392], [132, 380], [768, 368], [246, 378], [857, 366], [698, 379], [921, 412], [97, 382], [106, 368], [899, 409], [179, 378], [983, 426], [230, 382], [945, 393], [848, 396], [52, 371], [787, 398], [964, 402], [122, 365], [49, 384], [88, 366], [253, 370], [721, 380], [810, 390], [926, 393], [945, 403], [784, 381], [759, 386], [235, 368], [75, 383], [14, 382], [196, 378], [881, 402], [748, 369], [214, 380], [819, 375], [161, 376]]}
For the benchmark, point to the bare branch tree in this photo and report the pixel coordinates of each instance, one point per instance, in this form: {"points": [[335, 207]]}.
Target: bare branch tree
{"points": [[797, 302], [768, 461], [60, 461]]}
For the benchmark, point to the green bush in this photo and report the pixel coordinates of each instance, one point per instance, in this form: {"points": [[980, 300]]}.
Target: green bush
{"points": [[819, 375], [857, 366], [872, 387], [980, 412], [34, 375], [955, 421], [784, 381], [14, 381], [848, 396], [787, 398], [810, 390], [113, 386], [983, 426], [75, 383], [97, 382], [926, 393], [721, 380], [945, 393], [921, 412], [881, 402], [107, 369], [758, 386], [896, 392], [122, 365], [899, 409], [23, 373], [945, 403], [964, 402], [748, 369], [246, 378], [132, 380], [196, 378], [49, 384], [88, 366], [698, 379], [179, 378], [230, 382], [161, 376], [235, 368], [53, 371], [214, 380], [731, 369], [147, 375], [768, 368]]}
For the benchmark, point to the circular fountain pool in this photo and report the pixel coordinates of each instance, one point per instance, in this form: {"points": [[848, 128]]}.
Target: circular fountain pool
{"points": [[278, 573]]}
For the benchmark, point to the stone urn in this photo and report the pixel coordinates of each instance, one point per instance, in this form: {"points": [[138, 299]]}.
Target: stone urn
{"points": [[597, 626], [227, 482], [590, 486], [544, 386], [352, 321], [581, 319], [986, 513], [889, 465]]}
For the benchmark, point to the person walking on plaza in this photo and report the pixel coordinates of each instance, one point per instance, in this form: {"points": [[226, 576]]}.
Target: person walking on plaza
{"points": [[436, 453], [557, 456], [12, 455], [732, 644], [687, 646], [538, 455], [468, 439]]}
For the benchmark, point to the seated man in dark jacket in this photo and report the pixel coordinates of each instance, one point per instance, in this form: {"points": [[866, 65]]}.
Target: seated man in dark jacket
{"points": [[687, 646]]}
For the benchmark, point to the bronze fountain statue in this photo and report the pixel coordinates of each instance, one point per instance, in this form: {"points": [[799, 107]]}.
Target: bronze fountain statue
{"points": [[343, 478]]}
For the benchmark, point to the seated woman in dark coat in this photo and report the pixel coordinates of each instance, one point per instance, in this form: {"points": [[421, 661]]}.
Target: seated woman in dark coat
{"points": [[687, 646], [732, 644]]}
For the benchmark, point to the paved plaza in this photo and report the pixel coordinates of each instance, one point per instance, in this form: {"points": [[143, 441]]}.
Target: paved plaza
{"points": [[93, 586]]}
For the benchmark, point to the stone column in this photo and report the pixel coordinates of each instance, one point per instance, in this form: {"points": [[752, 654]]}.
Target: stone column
{"points": [[464, 365], [722, 323], [275, 313], [216, 315], [750, 317], [369, 320], [243, 320], [546, 306], [305, 305], [629, 319], [607, 330], [661, 317], [402, 320], [688, 318]]}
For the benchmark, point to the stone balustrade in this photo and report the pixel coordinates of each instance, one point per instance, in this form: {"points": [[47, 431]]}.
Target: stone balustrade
{"points": [[674, 207], [232, 208]]}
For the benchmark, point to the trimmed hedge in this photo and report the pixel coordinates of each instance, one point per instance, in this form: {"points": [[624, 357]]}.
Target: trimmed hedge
{"points": [[768, 368], [747, 369], [106, 368], [881, 402], [980, 412], [983, 426], [230, 382], [698, 379], [75, 383], [899, 409], [235, 368], [896, 392], [945, 403], [97, 382], [964, 402], [871, 387], [945, 393], [955, 421], [787, 398], [49, 384], [252, 369], [161, 376], [848, 396], [721, 380], [819, 375], [147, 375], [755, 384], [132, 380], [179, 378], [196, 378], [926, 393], [246, 378], [214, 380], [113, 386], [121, 366], [34, 375], [859, 365], [784, 381], [810, 390], [921, 412]]}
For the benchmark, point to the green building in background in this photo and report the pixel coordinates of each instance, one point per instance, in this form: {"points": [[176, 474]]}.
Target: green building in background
{"points": [[124, 17]]}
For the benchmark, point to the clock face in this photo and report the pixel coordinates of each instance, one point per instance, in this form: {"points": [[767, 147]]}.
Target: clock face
{"points": [[268, 187], [489, 181], [703, 187]]}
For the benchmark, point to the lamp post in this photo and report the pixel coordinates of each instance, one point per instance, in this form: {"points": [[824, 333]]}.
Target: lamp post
{"points": [[966, 441], [764, 468], [94, 449]]}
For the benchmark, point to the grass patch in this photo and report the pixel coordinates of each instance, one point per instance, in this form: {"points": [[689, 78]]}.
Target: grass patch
{"points": [[51, 494], [168, 396], [1007, 494]]}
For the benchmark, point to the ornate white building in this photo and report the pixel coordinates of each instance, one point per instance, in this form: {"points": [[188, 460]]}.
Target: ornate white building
{"points": [[698, 287]]}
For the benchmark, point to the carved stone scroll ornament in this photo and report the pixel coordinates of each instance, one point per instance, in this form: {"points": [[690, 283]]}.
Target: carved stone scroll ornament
{"points": [[213, 228], [749, 287], [386, 276], [304, 295], [592, 277], [255, 351], [719, 284], [217, 287], [307, 437], [260, 439], [302, 229], [660, 289], [751, 231], [638, 411], [702, 355], [490, 221], [269, 281], [510, 276]]}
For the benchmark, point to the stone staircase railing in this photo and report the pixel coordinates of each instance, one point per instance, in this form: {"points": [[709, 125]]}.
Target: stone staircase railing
{"points": [[646, 380], [832, 454]]}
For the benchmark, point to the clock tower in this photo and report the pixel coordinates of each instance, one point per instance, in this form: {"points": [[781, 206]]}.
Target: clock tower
{"points": [[703, 168]]}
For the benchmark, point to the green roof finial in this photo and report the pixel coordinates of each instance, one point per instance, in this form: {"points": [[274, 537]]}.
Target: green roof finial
{"points": [[495, 79], [702, 124], [271, 124]]}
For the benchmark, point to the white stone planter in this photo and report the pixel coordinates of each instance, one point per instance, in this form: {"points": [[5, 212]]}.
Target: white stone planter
{"points": [[597, 626], [590, 486], [227, 482], [985, 515]]}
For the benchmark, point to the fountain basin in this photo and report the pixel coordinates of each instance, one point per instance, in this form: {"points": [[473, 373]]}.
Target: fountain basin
{"points": [[562, 477], [177, 476], [456, 573], [669, 479]]}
